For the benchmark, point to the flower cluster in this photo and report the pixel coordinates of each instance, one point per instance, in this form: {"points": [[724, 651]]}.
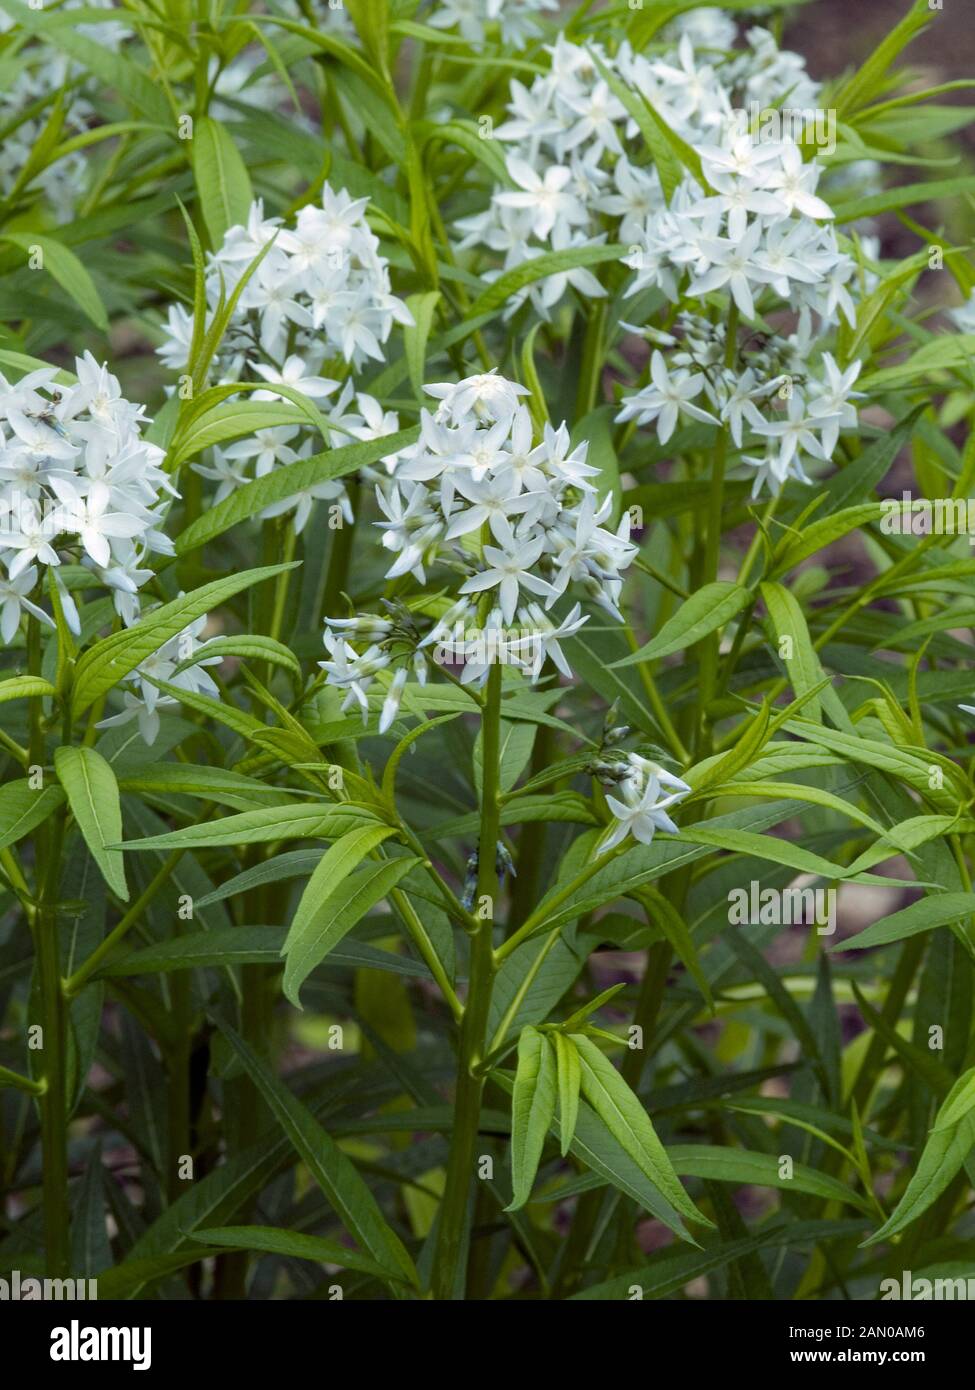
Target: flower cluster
{"points": [[752, 225], [514, 21], [78, 483], [514, 516], [773, 390], [317, 301]]}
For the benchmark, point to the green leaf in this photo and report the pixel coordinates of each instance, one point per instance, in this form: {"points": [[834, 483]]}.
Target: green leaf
{"points": [[114, 657], [281, 483], [818, 534], [748, 1169], [959, 1102], [64, 267], [548, 263], [334, 866], [596, 429], [625, 1118], [465, 134], [250, 648], [859, 478], [93, 796], [211, 783], [794, 644], [23, 808], [946, 1150], [126, 1279], [334, 1173], [336, 916], [671, 1272], [532, 1111], [904, 196], [936, 910], [666, 159], [263, 826], [271, 1240], [283, 866], [23, 687], [415, 336], [869, 79], [224, 946], [570, 1081], [703, 613], [222, 182]]}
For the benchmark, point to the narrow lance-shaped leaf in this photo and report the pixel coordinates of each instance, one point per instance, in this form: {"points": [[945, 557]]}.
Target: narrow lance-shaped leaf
{"points": [[334, 866], [570, 1081], [336, 917], [109, 660], [532, 1111], [263, 826], [222, 180], [624, 1116], [949, 1144], [703, 613]]}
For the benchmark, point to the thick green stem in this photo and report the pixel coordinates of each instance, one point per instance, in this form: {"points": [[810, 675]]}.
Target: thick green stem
{"points": [[53, 1100], [452, 1242], [54, 1118]]}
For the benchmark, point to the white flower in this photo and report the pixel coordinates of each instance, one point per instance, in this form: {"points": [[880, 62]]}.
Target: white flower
{"points": [[486, 396], [641, 813], [732, 263], [794, 433], [666, 399], [546, 196], [515, 518], [96, 525], [510, 569], [77, 482], [796, 183], [13, 600]]}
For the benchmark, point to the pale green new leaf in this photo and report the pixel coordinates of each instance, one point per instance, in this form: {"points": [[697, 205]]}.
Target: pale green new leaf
{"points": [[532, 1111], [625, 1118], [570, 1081], [336, 916]]}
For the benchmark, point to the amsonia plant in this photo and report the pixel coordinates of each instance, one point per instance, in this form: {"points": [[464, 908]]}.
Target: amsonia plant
{"points": [[485, 749]]}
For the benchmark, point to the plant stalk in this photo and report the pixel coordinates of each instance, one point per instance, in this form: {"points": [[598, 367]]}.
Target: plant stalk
{"points": [[452, 1239]]}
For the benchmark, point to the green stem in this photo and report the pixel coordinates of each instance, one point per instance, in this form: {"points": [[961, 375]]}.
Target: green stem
{"points": [[473, 1029], [53, 1099], [21, 1083], [551, 904]]}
